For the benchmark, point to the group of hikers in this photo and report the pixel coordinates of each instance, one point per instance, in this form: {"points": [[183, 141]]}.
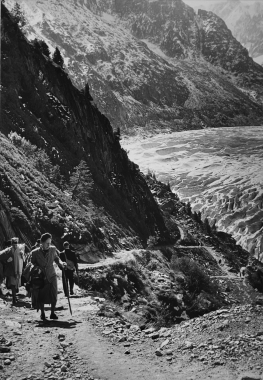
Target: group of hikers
{"points": [[37, 271]]}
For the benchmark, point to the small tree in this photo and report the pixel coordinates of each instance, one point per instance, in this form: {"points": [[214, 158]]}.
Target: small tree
{"points": [[188, 208], [195, 217], [43, 162], [57, 57], [18, 15], [117, 134], [42, 47], [81, 182], [23, 144], [207, 227]]}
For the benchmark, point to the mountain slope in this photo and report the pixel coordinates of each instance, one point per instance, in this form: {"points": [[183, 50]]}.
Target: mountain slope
{"points": [[40, 103], [245, 20], [142, 84]]}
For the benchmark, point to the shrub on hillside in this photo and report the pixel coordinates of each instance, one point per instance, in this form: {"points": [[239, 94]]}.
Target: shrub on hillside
{"points": [[18, 15], [39, 158], [197, 280], [42, 47], [167, 252], [4, 199], [20, 142], [19, 218], [57, 57], [150, 175], [152, 241]]}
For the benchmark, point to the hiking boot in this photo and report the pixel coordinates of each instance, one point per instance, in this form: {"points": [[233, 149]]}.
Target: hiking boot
{"points": [[43, 317], [53, 316]]}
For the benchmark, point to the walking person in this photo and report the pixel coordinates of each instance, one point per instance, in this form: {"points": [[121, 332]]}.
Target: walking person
{"points": [[13, 257], [43, 259], [68, 256]]}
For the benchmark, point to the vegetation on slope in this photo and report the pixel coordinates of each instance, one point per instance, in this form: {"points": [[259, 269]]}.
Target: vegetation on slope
{"points": [[41, 105]]}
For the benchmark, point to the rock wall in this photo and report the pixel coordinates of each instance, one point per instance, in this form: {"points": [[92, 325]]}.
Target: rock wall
{"points": [[148, 64], [244, 19], [40, 103]]}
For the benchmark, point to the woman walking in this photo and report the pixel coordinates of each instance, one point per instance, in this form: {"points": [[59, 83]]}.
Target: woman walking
{"points": [[43, 259], [13, 258]]}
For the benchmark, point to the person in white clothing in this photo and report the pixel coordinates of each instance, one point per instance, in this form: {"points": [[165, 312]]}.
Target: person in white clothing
{"points": [[13, 258]]}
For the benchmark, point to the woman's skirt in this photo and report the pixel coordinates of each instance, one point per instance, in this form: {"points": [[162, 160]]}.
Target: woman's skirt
{"points": [[47, 294]]}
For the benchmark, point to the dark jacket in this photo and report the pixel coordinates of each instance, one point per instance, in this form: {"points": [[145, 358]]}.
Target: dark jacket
{"points": [[69, 254]]}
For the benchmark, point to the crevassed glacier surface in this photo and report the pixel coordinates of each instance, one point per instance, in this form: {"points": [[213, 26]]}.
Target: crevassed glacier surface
{"points": [[220, 171]]}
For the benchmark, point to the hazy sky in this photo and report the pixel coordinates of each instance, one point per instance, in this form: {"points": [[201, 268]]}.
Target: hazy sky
{"points": [[197, 2]]}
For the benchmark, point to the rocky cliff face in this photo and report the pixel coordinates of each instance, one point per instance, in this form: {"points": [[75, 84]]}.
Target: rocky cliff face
{"points": [[180, 33], [40, 103], [244, 20], [152, 66]]}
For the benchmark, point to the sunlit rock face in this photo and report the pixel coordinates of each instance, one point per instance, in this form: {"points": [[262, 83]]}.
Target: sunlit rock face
{"points": [[219, 171], [151, 66], [39, 102], [244, 19]]}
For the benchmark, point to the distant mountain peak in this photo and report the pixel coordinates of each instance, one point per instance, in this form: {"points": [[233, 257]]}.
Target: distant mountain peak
{"points": [[152, 65], [245, 20]]}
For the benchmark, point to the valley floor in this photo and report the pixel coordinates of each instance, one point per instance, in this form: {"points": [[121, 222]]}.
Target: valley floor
{"points": [[224, 344]]}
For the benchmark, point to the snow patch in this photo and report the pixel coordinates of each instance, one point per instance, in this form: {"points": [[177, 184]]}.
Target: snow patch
{"points": [[155, 49]]}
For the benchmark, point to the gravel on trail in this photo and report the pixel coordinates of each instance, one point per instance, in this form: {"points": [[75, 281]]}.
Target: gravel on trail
{"points": [[224, 344]]}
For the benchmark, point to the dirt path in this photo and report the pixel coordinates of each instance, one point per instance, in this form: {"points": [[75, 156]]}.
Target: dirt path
{"points": [[181, 232], [221, 263], [76, 348], [118, 257]]}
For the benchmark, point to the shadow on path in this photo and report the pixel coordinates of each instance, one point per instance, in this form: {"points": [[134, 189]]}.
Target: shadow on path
{"points": [[57, 324]]}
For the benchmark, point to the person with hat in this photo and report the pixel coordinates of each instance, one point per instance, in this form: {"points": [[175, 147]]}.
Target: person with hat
{"points": [[13, 258], [43, 259], [68, 256]]}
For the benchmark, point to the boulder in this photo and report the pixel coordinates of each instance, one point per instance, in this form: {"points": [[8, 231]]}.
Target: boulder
{"points": [[254, 274], [250, 377]]}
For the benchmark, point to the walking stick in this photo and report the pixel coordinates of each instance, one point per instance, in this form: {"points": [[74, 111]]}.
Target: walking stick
{"points": [[66, 286], [77, 272]]}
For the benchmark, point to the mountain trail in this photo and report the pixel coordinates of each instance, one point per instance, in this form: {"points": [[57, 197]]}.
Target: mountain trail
{"points": [[118, 257], [82, 346], [225, 268], [221, 263]]}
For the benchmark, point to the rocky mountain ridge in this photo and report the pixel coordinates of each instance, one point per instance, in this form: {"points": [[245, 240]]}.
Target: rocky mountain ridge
{"points": [[152, 66], [244, 20], [187, 269], [40, 103]]}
